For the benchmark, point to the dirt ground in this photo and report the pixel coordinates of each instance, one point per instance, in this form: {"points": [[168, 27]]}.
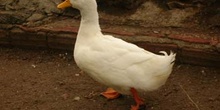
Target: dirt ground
{"points": [[37, 79]]}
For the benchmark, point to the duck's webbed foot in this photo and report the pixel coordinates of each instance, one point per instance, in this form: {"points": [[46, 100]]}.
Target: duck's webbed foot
{"points": [[110, 93]]}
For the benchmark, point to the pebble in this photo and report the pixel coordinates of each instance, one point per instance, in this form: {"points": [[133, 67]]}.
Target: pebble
{"points": [[156, 32], [76, 98], [167, 32], [36, 17], [76, 74], [34, 66], [60, 55], [203, 72], [64, 96]]}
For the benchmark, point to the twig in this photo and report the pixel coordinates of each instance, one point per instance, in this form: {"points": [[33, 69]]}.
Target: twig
{"points": [[189, 97]]}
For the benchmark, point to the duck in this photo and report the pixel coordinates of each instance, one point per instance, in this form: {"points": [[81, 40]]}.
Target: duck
{"points": [[123, 67]]}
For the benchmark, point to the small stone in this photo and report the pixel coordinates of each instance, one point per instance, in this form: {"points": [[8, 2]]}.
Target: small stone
{"points": [[211, 99], [203, 72], [156, 32], [76, 74], [167, 32], [34, 66], [64, 96], [60, 55], [76, 98], [36, 17], [61, 83]]}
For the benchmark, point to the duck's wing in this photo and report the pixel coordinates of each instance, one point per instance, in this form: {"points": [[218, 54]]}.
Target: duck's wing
{"points": [[124, 54]]}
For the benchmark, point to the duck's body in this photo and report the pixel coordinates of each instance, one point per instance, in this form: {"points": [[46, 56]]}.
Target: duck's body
{"points": [[122, 68], [114, 62]]}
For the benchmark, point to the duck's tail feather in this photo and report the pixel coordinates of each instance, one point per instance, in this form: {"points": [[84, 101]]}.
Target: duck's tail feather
{"points": [[172, 55]]}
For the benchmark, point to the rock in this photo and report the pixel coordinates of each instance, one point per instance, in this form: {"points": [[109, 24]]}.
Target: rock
{"points": [[77, 75], [12, 18], [176, 4], [46, 6], [6, 2], [36, 17], [24, 3], [34, 66], [129, 4], [156, 32], [49, 6], [76, 98], [65, 96]]}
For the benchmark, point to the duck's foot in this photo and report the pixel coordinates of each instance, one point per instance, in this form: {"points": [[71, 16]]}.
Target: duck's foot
{"points": [[137, 99], [110, 93]]}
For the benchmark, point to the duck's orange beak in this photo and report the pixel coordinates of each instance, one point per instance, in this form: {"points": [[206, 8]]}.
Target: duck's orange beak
{"points": [[64, 4]]}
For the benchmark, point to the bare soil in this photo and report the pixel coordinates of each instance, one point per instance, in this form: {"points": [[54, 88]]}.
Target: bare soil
{"points": [[37, 79]]}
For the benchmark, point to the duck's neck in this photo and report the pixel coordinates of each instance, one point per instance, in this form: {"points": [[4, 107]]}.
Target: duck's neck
{"points": [[89, 25]]}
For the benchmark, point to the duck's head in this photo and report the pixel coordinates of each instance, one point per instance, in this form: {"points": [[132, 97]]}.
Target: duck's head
{"points": [[78, 4]]}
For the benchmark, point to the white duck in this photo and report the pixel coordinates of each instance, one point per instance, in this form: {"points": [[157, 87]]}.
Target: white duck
{"points": [[123, 66]]}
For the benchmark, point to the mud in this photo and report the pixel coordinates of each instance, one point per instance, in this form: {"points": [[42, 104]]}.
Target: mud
{"points": [[38, 79]]}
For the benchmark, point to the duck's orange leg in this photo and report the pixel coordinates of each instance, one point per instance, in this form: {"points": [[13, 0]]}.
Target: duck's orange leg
{"points": [[110, 93], [137, 99]]}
